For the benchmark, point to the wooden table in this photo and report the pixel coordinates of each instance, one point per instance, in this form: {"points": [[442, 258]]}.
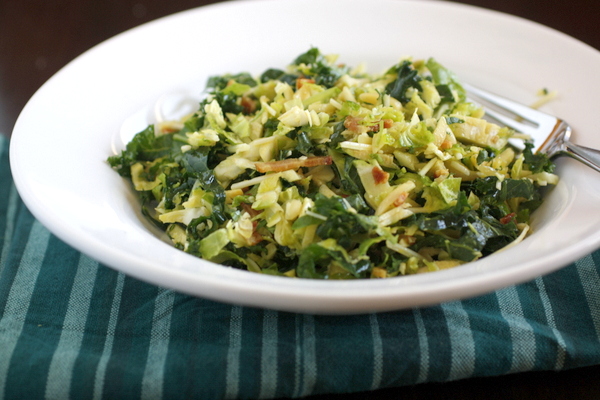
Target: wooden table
{"points": [[37, 38]]}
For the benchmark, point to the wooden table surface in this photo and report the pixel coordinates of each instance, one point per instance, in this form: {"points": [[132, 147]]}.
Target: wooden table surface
{"points": [[37, 38]]}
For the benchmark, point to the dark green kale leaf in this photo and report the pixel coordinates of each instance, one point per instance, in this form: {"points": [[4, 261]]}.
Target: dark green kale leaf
{"points": [[319, 69], [485, 155], [218, 83], [348, 178], [445, 81], [489, 193], [305, 145], [196, 164], [337, 136], [495, 199], [278, 75], [312, 56], [270, 126], [145, 146], [315, 260], [195, 234], [194, 123], [407, 77], [517, 188], [228, 102], [463, 232], [466, 248], [338, 221], [455, 217], [447, 97], [537, 162]]}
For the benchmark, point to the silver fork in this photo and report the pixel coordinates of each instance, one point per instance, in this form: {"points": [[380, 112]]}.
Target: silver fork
{"points": [[551, 135]]}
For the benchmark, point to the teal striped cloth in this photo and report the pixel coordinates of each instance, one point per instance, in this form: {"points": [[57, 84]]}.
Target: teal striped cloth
{"points": [[73, 328]]}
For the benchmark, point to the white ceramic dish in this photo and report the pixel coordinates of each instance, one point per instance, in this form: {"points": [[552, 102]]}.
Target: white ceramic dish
{"points": [[87, 110]]}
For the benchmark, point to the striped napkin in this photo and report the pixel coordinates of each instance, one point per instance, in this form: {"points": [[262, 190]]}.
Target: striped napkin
{"points": [[73, 328]]}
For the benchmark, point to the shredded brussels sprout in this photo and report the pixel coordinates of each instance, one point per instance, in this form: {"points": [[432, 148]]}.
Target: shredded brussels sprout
{"points": [[321, 171]]}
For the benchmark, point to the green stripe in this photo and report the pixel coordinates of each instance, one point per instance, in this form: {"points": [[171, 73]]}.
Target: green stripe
{"points": [[198, 348], [491, 335], [233, 355], [544, 355], [521, 331], [21, 235], [94, 339], [400, 334], [561, 348], [47, 309], [340, 339], [309, 372], [109, 339], [576, 329], [288, 351], [423, 347], [268, 362], [60, 373], [297, 356], [153, 379], [461, 341], [250, 358], [8, 212], [305, 370], [8, 203], [131, 339], [183, 355], [438, 339], [8, 199], [377, 352], [588, 274], [19, 297]]}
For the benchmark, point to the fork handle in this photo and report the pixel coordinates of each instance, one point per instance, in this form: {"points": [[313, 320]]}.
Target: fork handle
{"points": [[588, 156]]}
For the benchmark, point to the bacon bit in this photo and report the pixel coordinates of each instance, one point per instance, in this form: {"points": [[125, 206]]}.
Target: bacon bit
{"points": [[292, 163], [446, 144], [440, 172], [409, 240], [379, 175], [248, 208], [256, 237], [169, 130], [387, 123], [400, 199], [248, 104], [507, 218], [301, 81], [351, 123]]}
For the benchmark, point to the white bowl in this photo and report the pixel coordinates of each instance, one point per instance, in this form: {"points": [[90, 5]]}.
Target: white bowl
{"points": [[89, 109]]}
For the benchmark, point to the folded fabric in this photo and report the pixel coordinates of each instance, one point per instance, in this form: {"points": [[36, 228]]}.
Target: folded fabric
{"points": [[73, 328]]}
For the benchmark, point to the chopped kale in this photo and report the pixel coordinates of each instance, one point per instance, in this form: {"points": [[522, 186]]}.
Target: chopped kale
{"points": [[300, 173]]}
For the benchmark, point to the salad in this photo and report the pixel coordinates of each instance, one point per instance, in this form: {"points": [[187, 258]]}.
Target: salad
{"points": [[319, 170]]}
